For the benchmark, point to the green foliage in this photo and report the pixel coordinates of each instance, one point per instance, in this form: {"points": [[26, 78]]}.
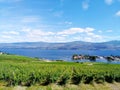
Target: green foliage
{"points": [[17, 70], [16, 58]]}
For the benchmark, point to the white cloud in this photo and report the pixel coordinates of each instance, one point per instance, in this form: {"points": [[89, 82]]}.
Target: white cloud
{"points": [[10, 1], [109, 31], [85, 4], [34, 35], [75, 31], [6, 36], [58, 14], [92, 37], [71, 34], [100, 31], [10, 33], [88, 39], [71, 31], [25, 29], [40, 33], [118, 13], [88, 29], [30, 19], [109, 2], [68, 23], [36, 32]]}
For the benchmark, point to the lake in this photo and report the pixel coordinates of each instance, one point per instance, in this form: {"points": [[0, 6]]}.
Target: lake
{"points": [[60, 54]]}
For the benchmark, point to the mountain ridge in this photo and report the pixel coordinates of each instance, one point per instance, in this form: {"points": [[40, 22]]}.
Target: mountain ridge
{"points": [[75, 45]]}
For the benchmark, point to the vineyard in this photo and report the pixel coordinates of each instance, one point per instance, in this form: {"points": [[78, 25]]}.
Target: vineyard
{"points": [[24, 71]]}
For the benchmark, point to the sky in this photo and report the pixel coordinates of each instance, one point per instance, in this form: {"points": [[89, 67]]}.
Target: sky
{"points": [[59, 20]]}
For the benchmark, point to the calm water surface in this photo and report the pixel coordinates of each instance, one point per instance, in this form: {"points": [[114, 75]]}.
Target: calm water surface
{"points": [[60, 54]]}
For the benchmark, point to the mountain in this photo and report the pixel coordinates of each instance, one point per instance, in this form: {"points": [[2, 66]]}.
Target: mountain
{"points": [[76, 45]]}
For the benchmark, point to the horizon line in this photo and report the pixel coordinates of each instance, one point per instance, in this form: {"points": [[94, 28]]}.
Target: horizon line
{"points": [[56, 42]]}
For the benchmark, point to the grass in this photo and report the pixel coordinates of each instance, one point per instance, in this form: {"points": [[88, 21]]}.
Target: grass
{"points": [[15, 58], [28, 73]]}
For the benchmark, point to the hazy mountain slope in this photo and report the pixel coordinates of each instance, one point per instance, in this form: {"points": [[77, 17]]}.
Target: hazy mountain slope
{"points": [[76, 45]]}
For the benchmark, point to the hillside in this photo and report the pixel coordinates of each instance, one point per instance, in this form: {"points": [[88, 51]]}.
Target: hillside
{"points": [[76, 45], [15, 58], [24, 73]]}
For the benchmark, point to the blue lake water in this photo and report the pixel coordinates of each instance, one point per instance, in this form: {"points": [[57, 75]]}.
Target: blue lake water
{"points": [[60, 54]]}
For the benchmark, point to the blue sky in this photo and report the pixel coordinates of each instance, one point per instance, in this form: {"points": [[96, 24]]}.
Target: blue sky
{"points": [[59, 20]]}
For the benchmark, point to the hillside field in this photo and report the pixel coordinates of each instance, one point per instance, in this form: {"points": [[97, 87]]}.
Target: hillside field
{"points": [[31, 73]]}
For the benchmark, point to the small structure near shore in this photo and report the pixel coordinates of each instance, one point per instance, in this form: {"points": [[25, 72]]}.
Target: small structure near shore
{"points": [[82, 57], [94, 57]]}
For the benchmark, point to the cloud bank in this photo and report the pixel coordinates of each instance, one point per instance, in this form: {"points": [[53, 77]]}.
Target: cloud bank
{"points": [[35, 35], [118, 13]]}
